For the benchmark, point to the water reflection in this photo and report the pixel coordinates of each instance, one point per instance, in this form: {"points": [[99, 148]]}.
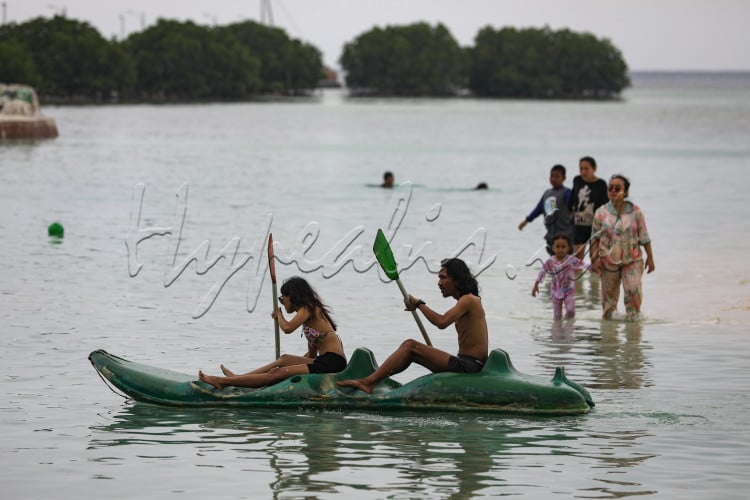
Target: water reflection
{"points": [[394, 455], [601, 355], [618, 359], [588, 295]]}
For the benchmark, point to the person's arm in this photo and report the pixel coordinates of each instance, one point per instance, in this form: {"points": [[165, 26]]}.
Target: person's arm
{"points": [[303, 314], [645, 240], [579, 265], [650, 267], [538, 210], [596, 261], [539, 279], [312, 350], [450, 316]]}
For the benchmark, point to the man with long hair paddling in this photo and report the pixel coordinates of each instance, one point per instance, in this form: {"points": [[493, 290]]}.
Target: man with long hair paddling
{"points": [[454, 280]]}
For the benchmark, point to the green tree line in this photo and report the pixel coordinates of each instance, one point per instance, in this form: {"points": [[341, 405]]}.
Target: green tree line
{"points": [[171, 60], [174, 60], [418, 60], [411, 60]]}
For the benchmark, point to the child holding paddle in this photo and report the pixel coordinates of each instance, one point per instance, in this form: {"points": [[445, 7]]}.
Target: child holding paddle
{"points": [[325, 352]]}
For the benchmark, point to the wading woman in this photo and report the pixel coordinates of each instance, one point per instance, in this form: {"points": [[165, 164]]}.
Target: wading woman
{"points": [[618, 233], [325, 352]]}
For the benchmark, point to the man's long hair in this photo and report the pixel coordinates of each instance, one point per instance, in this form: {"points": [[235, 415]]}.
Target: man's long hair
{"points": [[461, 276]]}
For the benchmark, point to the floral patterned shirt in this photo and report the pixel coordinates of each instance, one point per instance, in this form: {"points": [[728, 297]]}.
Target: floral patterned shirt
{"points": [[620, 235]]}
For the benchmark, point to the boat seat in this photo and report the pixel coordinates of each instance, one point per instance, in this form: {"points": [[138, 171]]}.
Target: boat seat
{"points": [[361, 364], [498, 362]]}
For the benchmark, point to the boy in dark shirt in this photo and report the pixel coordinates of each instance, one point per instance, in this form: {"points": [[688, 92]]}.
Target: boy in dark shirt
{"points": [[555, 205]]}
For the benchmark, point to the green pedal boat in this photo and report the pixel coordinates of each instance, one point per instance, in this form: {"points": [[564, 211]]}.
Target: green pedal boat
{"points": [[499, 387]]}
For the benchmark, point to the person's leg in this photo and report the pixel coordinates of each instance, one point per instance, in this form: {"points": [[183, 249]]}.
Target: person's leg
{"points": [[581, 237], [610, 282], [579, 250], [570, 304], [410, 351], [556, 308], [254, 379], [632, 275], [284, 360]]}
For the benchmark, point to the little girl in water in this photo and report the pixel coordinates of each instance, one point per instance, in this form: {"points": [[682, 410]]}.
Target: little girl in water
{"points": [[561, 267], [325, 352]]}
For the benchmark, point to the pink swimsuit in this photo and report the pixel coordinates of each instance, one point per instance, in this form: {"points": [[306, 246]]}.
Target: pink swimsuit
{"points": [[313, 336]]}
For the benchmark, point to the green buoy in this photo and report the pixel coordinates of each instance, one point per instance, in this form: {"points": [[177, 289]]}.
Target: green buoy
{"points": [[56, 230]]}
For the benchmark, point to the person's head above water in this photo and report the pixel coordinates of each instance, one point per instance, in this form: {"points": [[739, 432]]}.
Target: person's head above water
{"points": [[388, 179], [482, 185]]}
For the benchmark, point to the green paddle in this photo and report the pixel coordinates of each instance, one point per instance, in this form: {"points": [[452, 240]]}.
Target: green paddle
{"points": [[272, 269], [385, 258]]}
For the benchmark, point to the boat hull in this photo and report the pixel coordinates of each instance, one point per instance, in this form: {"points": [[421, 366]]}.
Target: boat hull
{"points": [[499, 387], [23, 127]]}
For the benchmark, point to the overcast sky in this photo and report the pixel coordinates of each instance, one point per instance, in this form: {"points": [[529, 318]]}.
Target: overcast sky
{"points": [[652, 34]]}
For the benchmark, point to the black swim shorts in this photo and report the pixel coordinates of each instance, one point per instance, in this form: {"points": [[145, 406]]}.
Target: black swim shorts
{"points": [[329, 362], [464, 364]]}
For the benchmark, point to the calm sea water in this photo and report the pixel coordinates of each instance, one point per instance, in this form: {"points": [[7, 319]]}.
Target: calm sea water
{"points": [[671, 390]]}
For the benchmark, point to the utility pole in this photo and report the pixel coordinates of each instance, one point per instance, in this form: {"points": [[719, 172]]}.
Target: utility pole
{"points": [[266, 14], [60, 10], [5, 12]]}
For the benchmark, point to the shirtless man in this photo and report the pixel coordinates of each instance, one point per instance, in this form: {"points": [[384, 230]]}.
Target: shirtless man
{"points": [[454, 280]]}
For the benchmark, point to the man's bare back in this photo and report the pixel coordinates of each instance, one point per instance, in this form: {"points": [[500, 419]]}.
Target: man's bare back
{"points": [[472, 330]]}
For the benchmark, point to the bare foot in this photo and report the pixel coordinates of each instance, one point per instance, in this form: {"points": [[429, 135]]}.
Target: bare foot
{"points": [[209, 379], [226, 371], [357, 384]]}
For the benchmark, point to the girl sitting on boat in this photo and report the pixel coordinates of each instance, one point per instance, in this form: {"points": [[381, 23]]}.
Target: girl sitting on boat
{"points": [[325, 352]]}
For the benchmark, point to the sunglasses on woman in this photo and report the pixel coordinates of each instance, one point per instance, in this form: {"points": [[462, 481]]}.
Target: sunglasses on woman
{"points": [[614, 189]]}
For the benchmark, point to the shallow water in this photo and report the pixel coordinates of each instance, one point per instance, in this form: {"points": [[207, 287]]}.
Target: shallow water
{"points": [[670, 389]]}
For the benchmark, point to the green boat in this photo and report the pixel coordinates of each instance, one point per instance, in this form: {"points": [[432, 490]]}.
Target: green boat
{"points": [[498, 388]]}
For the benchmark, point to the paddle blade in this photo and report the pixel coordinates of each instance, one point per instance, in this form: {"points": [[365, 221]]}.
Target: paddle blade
{"points": [[385, 256], [271, 262]]}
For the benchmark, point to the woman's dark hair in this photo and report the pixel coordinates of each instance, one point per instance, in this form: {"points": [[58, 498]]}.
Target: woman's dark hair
{"points": [[301, 294], [590, 160], [461, 276], [624, 181]]}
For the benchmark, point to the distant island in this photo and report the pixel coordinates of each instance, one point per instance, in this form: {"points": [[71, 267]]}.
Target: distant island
{"points": [[420, 60], [172, 61]]}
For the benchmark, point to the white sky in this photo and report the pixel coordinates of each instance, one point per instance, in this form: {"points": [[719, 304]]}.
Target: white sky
{"points": [[652, 34]]}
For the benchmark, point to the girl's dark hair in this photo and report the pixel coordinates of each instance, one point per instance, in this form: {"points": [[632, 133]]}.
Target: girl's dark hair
{"points": [[624, 181], [562, 236], [301, 294], [590, 160], [461, 276]]}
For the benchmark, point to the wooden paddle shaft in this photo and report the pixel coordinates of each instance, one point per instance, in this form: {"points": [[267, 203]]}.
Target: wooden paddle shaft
{"points": [[276, 321], [414, 313]]}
